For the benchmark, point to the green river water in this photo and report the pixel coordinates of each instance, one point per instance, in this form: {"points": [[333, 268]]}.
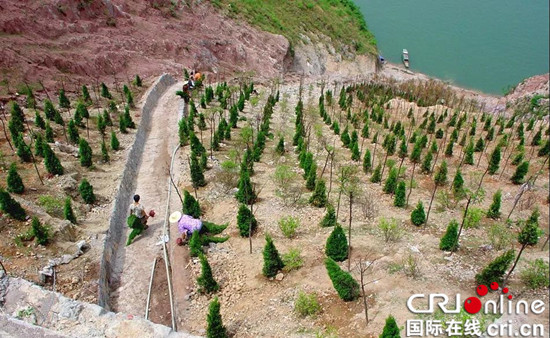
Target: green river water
{"points": [[486, 45]]}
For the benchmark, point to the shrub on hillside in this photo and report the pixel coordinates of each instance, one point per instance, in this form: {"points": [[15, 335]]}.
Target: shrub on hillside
{"points": [[11, 206], [14, 181], [288, 226], [418, 216], [206, 281], [245, 221], [337, 245], [536, 274], [306, 304], [330, 217], [87, 192], [449, 241], [496, 269], [272, 261], [191, 206], [346, 287]]}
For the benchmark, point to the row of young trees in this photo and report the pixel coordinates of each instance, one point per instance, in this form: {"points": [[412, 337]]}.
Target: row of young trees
{"points": [[43, 134], [420, 140]]}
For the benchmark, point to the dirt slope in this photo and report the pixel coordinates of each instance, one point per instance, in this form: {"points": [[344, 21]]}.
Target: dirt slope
{"points": [[77, 41]]}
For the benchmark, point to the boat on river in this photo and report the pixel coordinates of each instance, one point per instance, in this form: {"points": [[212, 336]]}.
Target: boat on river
{"points": [[405, 58]]}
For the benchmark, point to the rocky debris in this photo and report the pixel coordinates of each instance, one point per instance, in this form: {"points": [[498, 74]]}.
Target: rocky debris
{"points": [[48, 271], [279, 277], [68, 183], [34, 305], [67, 148]]}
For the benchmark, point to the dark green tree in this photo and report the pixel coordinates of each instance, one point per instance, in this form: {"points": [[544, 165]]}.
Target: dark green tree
{"points": [[469, 154], [479, 145], [418, 216], [82, 110], [337, 244], [427, 163], [377, 174], [494, 208], [40, 232], [183, 132], [345, 137], [391, 181], [545, 149], [449, 241], [107, 118], [355, 154], [137, 81], [72, 131], [311, 177], [63, 100], [494, 161], [518, 158], [272, 260], [400, 195], [246, 221], [11, 206], [197, 176], [191, 206], [51, 162], [105, 91], [115, 145], [319, 197], [23, 150], [215, 328], [68, 212], [245, 194], [346, 287], [58, 118], [521, 171], [86, 98], [128, 95], [39, 121], [128, 118], [449, 149], [84, 153], [101, 125], [49, 133], [329, 219], [49, 110], [528, 236], [39, 145], [195, 244], [537, 139], [14, 181], [458, 185], [105, 152], [87, 191], [441, 175], [496, 269], [367, 162], [206, 281], [122, 125], [233, 116], [391, 330]]}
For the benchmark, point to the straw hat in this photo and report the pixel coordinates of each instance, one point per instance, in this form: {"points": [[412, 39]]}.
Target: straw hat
{"points": [[175, 216]]}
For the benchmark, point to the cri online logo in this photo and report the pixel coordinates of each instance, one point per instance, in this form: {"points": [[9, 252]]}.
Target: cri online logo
{"points": [[473, 305]]}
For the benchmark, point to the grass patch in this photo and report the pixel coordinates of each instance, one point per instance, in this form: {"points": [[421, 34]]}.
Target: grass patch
{"points": [[303, 20], [52, 205]]}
